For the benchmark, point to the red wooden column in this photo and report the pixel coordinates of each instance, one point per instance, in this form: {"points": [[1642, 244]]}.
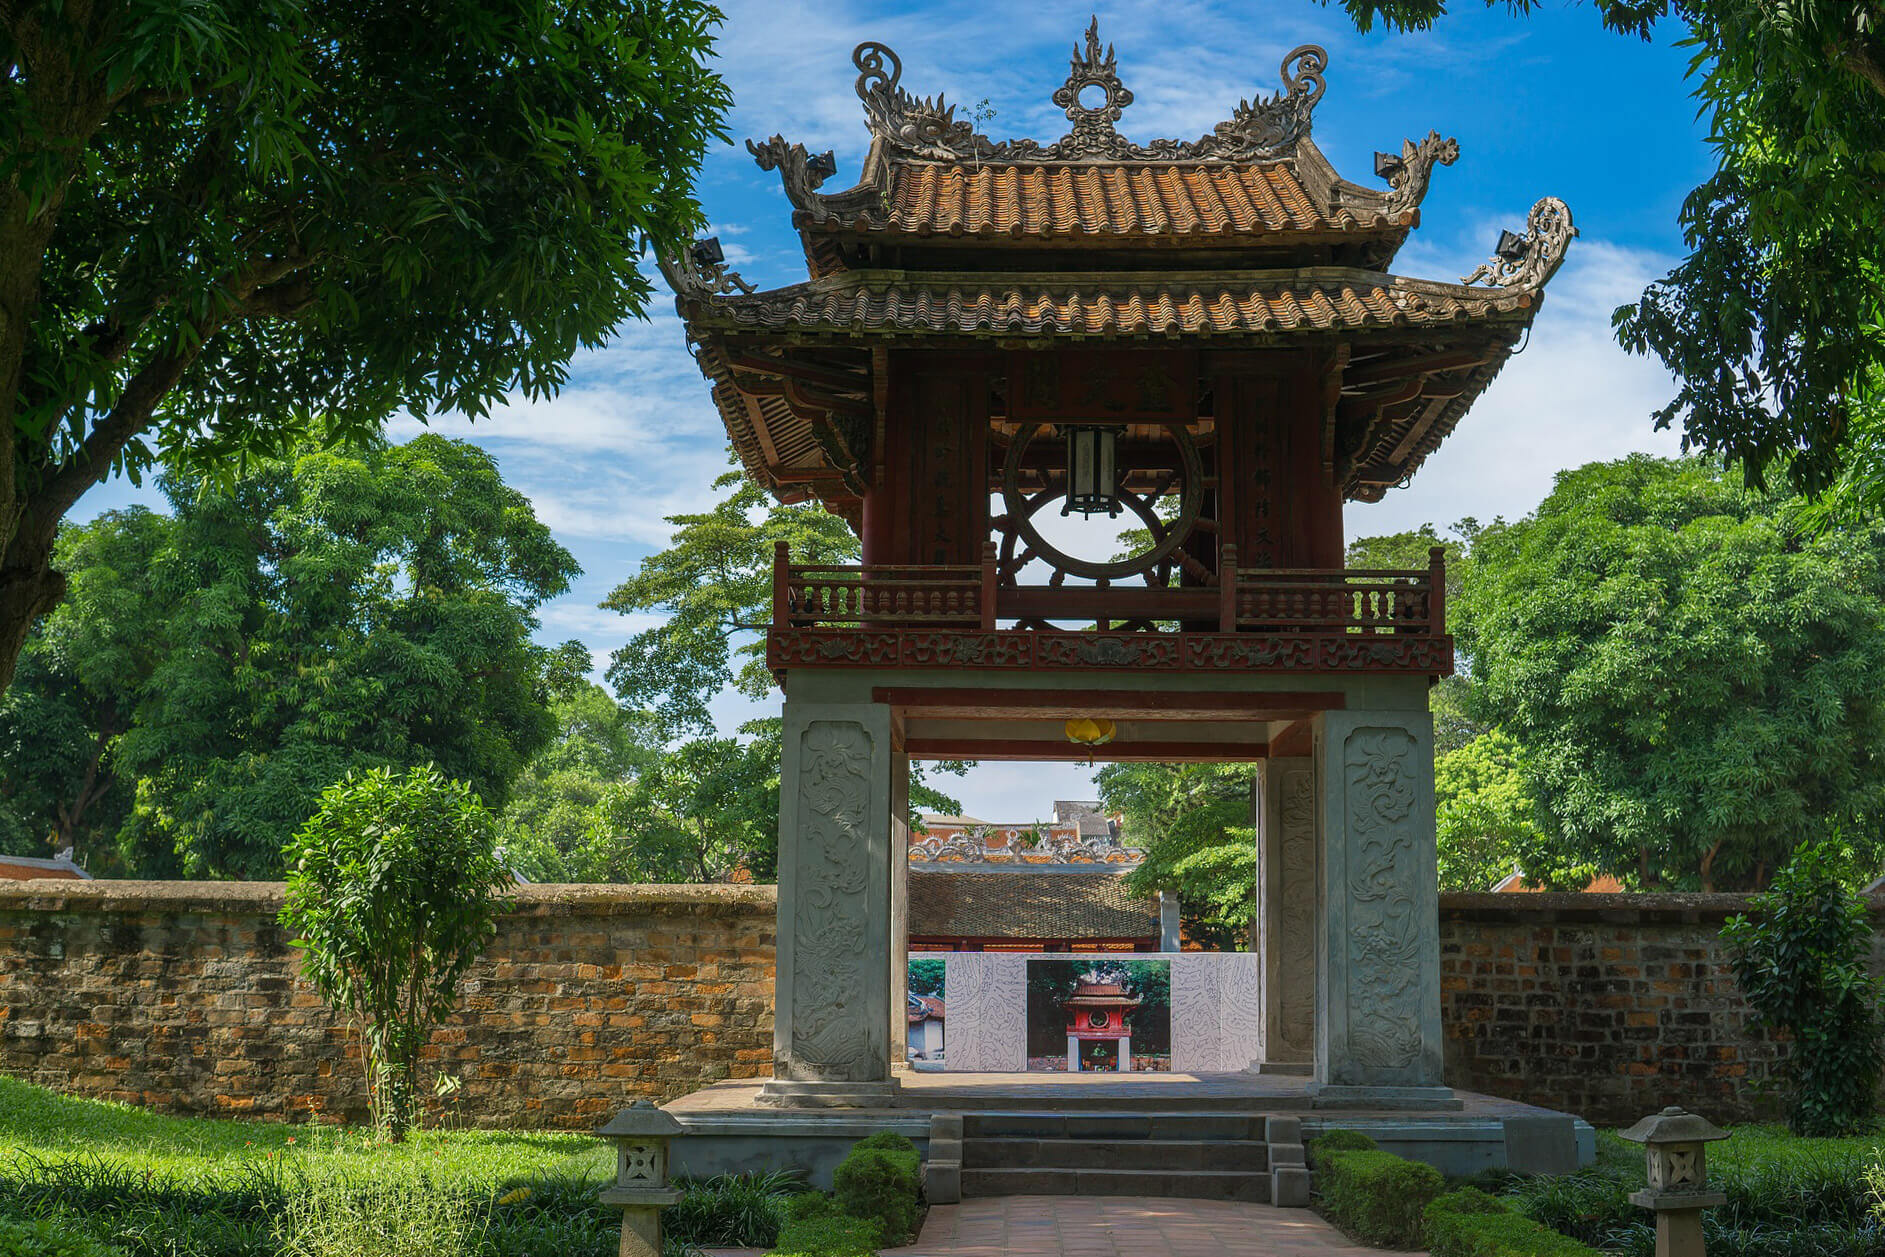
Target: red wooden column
{"points": [[929, 504]]}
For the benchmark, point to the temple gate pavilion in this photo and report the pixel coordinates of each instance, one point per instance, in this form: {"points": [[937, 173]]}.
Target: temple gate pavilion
{"points": [[998, 341]]}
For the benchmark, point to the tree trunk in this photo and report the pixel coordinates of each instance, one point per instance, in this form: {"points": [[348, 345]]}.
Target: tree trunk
{"points": [[29, 588]]}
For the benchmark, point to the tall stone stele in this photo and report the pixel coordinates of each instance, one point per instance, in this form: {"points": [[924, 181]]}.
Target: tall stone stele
{"points": [[640, 1134]]}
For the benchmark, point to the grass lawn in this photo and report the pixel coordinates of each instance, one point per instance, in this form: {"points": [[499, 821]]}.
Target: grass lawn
{"points": [[41, 1125]]}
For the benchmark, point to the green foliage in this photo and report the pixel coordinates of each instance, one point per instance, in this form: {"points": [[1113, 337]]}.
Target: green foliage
{"points": [[551, 830], [213, 670], [828, 1235], [1469, 1223], [337, 1217], [1803, 960], [713, 585], [887, 1141], [77, 690], [45, 1239], [229, 224], [732, 1210], [926, 975], [1376, 1195], [1335, 1141], [696, 812], [879, 1185], [1194, 822], [1634, 573], [810, 1205], [394, 891], [1486, 819], [1772, 324]]}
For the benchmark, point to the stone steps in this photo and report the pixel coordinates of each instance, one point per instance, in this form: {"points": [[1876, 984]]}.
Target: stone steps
{"points": [[1189, 1184], [1196, 1155], [1241, 1156]]}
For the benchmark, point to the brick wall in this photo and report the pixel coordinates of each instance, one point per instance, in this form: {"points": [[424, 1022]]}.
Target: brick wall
{"points": [[1610, 1006], [185, 996]]}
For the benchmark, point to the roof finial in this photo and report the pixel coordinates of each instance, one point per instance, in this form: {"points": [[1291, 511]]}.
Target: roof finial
{"points": [[1093, 134]]}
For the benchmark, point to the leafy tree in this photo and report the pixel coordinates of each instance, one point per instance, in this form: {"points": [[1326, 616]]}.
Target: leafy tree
{"points": [[1486, 819], [394, 889], [1804, 961], [1773, 325], [1194, 822], [1451, 699], [76, 691], [327, 612], [551, 823], [699, 812], [226, 225], [926, 975], [1694, 682], [714, 585]]}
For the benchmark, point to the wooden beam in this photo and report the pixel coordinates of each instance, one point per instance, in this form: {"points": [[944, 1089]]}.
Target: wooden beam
{"points": [[1297, 740], [1007, 704], [844, 381], [1046, 751], [1397, 368]]}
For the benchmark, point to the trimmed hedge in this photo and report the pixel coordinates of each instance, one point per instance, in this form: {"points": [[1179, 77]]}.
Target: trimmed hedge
{"points": [[1340, 1141], [45, 1239], [880, 1185], [827, 1235], [1469, 1223], [1378, 1196]]}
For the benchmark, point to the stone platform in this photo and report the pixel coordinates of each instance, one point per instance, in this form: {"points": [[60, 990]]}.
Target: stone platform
{"points": [[729, 1130]]}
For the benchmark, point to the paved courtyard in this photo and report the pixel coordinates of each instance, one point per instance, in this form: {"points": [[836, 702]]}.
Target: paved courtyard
{"points": [[1124, 1226]]}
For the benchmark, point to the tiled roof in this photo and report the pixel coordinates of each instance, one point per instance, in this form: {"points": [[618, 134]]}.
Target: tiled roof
{"points": [[1028, 905], [1101, 199], [943, 305]]}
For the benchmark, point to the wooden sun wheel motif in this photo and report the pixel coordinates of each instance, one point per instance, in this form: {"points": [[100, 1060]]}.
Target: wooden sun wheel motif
{"points": [[1176, 470]]}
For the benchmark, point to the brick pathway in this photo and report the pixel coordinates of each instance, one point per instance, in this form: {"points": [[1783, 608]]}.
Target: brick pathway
{"points": [[1124, 1226]]}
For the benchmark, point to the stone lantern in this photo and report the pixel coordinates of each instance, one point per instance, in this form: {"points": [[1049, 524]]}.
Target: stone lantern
{"points": [[1675, 1148], [640, 1134]]}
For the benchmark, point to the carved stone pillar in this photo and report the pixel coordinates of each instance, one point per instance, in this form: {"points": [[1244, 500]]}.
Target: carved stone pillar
{"points": [[831, 1025], [899, 908], [1285, 802], [1378, 1038]]}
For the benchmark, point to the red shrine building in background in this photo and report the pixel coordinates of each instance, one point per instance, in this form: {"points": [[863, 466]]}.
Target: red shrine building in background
{"points": [[999, 340]]}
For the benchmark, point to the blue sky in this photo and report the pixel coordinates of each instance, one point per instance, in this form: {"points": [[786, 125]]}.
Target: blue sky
{"points": [[1543, 105]]}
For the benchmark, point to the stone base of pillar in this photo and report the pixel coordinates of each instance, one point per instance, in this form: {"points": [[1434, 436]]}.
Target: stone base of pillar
{"points": [[781, 1093], [1294, 1069], [1326, 1096]]}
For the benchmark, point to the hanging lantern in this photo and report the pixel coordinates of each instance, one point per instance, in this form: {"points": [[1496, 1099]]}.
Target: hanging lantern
{"points": [[1088, 732], [1092, 469]]}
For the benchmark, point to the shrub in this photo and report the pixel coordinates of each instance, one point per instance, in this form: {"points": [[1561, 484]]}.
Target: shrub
{"points": [[810, 1205], [881, 1186], [832, 1235], [1377, 1195], [1469, 1223], [889, 1141], [394, 889], [1340, 1141], [47, 1239], [1802, 961]]}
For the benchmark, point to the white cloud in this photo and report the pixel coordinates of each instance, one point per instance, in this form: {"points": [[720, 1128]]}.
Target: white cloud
{"points": [[1572, 397]]}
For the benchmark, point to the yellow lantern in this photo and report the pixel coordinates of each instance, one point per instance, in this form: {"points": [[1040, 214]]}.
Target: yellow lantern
{"points": [[1088, 732]]}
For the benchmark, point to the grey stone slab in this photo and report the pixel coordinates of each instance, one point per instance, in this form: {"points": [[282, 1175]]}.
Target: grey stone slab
{"points": [[1283, 1129], [1290, 1187], [1541, 1145]]}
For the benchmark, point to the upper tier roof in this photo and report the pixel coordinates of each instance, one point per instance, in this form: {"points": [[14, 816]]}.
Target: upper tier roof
{"points": [[1256, 181], [1244, 239]]}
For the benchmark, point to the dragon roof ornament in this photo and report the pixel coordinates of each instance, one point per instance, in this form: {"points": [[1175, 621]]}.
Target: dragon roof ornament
{"points": [[1528, 261], [927, 129]]}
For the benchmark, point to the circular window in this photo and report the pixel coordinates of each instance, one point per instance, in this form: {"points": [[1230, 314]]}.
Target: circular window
{"points": [[1099, 1019]]}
